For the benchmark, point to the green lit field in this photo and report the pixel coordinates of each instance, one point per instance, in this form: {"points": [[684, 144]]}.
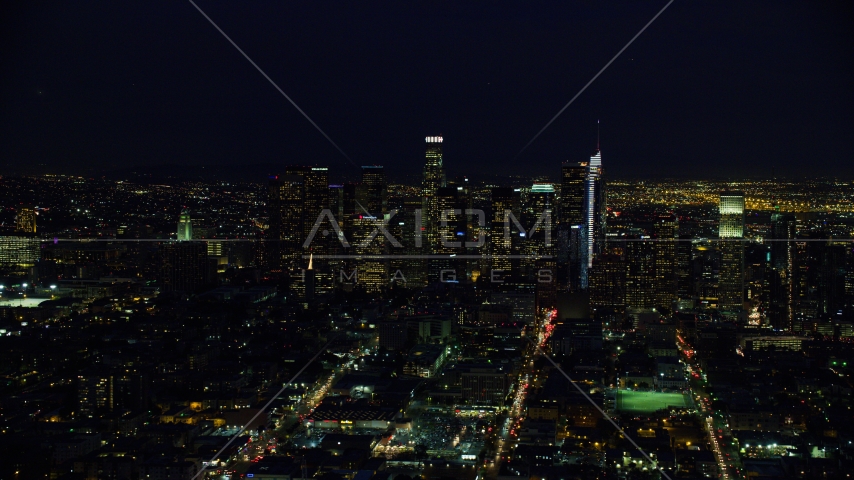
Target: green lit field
{"points": [[647, 402]]}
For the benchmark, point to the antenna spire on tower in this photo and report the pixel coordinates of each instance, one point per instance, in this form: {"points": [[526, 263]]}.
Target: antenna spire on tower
{"points": [[597, 135]]}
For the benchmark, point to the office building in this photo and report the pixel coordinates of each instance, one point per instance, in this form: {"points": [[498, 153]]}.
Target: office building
{"points": [[782, 245], [18, 251], [665, 232], [594, 210], [370, 262], [731, 235], [408, 264], [502, 230], [640, 273], [484, 384], [25, 220], [373, 194], [571, 242], [434, 178], [452, 233], [315, 182], [184, 266], [286, 205], [540, 248], [608, 283]]}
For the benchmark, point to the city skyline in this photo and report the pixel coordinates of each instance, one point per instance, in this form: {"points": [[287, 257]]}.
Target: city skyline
{"points": [[426, 241]]}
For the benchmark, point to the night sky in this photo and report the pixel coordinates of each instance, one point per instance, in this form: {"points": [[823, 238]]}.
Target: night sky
{"points": [[711, 89]]}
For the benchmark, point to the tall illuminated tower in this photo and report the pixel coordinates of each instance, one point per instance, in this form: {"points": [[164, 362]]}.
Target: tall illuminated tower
{"points": [[434, 179], [185, 226], [594, 211], [731, 234]]}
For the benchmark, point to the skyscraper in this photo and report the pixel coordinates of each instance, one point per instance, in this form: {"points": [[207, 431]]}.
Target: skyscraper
{"points": [[665, 231], [25, 221], [640, 273], [731, 234], [286, 205], [316, 198], [571, 242], [608, 283], [594, 210], [374, 191], [410, 262], [434, 178], [782, 243], [371, 204], [502, 200], [185, 226], [370, 262], [542, 246], [316, 194], [452, 234]]}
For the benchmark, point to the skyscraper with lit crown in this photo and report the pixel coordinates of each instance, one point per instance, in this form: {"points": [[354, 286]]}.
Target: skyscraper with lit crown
{"points": [[594, 210], [434, 179], [731, 234]]}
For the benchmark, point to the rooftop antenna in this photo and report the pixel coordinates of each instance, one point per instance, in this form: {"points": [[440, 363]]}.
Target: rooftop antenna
{"points": [[597, 135]]}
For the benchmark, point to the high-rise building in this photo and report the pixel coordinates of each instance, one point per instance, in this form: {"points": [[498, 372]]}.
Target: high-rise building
{"points": [[185, 226], [640, 273], [782, 244], [572, 188], [571, 242], [804, 285], [25, 221], [665, 235], [374, 191], [409, 260], [594, 210], [286, 205], [371, 264], [706, 261], [831, 272], [184, 266], [316, 198], [542, 245], [684, 267], [608, 283], [18, 251], [434, 178], [731, 235], [315, 184], [452, 234], [502, 200]]}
